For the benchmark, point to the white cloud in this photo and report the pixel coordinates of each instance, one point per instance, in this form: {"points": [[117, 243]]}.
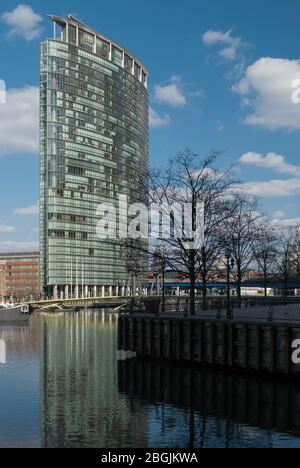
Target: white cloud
{"points": [[15, 246], [278, 214], [157, 120], [6, 229], [24, 22], [233, 44], [292, 222], [267, 88], [273, 188], [170, 94], [19, 121], [270, 161], [29, 211], [220, 126]]}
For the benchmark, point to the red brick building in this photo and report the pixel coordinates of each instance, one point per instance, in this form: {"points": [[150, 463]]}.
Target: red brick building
{"points": [[19, 275]]}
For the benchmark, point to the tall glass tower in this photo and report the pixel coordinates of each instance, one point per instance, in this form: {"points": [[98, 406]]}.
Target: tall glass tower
{"points": [[94, 119]]}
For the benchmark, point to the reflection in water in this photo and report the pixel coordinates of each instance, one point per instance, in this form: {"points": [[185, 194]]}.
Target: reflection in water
{"points": [[205, 407], [19, 387], [80, 402], [62, 386]]}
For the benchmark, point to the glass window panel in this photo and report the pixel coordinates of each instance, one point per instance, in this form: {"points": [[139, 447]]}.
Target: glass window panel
{"points": [[117, 56], [128, 63], [103, 48]]}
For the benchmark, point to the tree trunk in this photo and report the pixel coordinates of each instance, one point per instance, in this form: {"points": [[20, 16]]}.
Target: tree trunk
{"points": [[266, 283], [204, 293], [239, 285], [192, 295], [192, 256]]}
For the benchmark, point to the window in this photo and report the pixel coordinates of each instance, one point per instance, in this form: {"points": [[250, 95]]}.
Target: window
{"points": [[128, 62], [86, 41], [117, 56], [102, 48]]}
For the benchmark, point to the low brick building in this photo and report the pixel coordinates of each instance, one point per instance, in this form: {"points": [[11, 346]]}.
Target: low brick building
{"points": [[19, 275]]}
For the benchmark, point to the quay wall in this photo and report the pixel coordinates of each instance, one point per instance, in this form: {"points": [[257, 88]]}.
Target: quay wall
{"points": [[252, 346]]}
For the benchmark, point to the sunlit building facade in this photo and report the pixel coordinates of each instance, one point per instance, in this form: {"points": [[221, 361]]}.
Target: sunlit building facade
{"points": [[19, 275], [94, 114]]}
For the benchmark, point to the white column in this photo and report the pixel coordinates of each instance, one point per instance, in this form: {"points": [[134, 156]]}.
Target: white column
{"points": [[95, 291], [133, 285], [123, 291], [55, 293], [66, 292], [95, 44], [158, 285], [117, 291], [110, 291], [103, 291], [77, 292], [86, 292]]}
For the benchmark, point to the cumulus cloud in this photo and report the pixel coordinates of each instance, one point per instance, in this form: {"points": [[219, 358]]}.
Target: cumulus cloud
{"points": [[15, 246], [270, 161], [267, 88], [170, 94], [230, 45], [23, 22], [292, 222], [278, 214], [273, 188], [29, 211], [157, 120], [6, 229], [19, 121]]}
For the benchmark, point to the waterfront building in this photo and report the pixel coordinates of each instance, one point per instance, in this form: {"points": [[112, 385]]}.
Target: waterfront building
{"points": [[19, 275], [94, 119]]}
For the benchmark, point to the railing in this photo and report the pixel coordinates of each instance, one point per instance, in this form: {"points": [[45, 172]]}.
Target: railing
{"points": [[262, 309]]}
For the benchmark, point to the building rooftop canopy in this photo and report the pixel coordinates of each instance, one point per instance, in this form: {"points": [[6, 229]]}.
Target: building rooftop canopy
{"points": [[71, 20]]}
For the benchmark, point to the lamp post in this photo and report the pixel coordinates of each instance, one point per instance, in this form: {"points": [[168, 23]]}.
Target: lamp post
{"points": [[163, 267], [1, 286], [229, 265]]}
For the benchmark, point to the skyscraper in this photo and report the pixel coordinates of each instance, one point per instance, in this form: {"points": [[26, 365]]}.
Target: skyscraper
{"points": [[94, 113]]}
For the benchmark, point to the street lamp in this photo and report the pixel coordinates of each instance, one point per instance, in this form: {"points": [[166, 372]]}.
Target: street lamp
{"points": [[229, 265], [163, 267], [1, 285]]}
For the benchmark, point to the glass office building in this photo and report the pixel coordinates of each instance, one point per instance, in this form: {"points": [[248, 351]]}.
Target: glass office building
{"points": [[94, 119]]}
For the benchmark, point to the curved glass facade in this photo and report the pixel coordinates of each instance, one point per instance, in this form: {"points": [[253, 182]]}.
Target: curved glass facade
{"points": [[93, 148]]}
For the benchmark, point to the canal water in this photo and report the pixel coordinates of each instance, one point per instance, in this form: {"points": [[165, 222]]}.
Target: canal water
{"points": [[64, 384]]}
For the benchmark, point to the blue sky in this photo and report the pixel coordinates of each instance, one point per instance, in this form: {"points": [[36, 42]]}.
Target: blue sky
{"points": [[221, 76]]}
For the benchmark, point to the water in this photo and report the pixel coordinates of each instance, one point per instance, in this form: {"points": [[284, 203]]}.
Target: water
{"points": [[64, 385]]}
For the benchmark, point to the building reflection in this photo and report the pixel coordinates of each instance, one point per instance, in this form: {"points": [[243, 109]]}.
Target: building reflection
{"points": [[194, 407], [80, 402]]}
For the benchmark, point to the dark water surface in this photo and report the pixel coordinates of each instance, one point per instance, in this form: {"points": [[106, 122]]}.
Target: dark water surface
{"points": [[65, 385]]}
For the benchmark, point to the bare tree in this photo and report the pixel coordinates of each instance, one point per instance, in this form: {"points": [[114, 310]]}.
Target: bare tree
{"points": [[295, 256], [265, 251], [240, 234], [285, 258], [189, 245]]}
